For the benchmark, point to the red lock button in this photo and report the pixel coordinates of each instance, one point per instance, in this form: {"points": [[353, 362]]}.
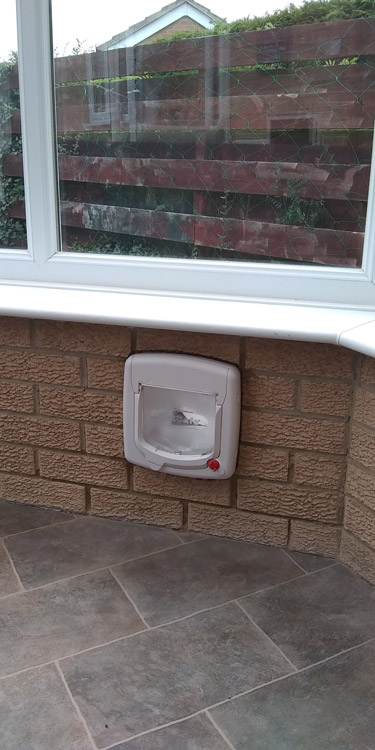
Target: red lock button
{"points": [[213, 464]]}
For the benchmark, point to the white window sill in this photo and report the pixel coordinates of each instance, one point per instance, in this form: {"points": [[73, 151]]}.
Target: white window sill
{"points": [[354, 329]]}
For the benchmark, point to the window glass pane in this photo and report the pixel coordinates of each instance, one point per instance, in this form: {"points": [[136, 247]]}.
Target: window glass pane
{"points": [[248, 145], [12, 207]]}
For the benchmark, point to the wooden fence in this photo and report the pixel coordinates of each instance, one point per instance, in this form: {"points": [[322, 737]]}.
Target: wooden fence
{"points": [[185, 142]]}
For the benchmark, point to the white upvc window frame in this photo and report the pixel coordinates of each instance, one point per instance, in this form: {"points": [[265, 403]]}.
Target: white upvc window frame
{"points": [[44, 266]]}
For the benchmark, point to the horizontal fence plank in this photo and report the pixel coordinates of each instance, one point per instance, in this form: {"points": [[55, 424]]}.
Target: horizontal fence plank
{"points": [[324, 41], [260, 178], [323, 79], [355, 78], [266, 240], [247, 113]]}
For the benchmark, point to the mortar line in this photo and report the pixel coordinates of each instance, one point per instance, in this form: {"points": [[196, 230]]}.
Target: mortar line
{"points": [[75, 706], [264, 634], [132, 602], [238, 695]]}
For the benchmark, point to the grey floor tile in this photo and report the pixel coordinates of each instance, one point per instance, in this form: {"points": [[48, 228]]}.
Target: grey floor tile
{"points": [[57, 620], [15, 517], [46, 555], [317, 616], [190, 536], [329, 707], [196, 733], [196, 576], [168, 673], [8, 581], [310, 563], [37, 714]]}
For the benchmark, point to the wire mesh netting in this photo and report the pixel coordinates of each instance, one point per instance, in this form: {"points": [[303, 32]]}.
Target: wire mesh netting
{"points": [[252, 147]]}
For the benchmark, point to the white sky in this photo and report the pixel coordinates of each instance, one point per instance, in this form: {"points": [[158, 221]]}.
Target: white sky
{"points": [[95, 21]]}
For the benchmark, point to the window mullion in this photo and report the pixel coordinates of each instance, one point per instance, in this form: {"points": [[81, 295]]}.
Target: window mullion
{"points": [[38, 129]]}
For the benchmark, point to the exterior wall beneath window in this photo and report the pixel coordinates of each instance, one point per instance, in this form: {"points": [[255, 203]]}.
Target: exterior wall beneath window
{"points": [[61, 437], [358, 538]]}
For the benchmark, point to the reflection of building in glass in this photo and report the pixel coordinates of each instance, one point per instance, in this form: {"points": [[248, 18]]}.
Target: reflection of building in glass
{"points": [[182, 15]]}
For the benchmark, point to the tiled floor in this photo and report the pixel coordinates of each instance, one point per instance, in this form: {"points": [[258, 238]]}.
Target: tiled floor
{"points": [[140, 638]]}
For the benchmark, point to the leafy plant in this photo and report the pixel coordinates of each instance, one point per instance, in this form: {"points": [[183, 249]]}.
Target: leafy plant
{"points": [[295, 210]]}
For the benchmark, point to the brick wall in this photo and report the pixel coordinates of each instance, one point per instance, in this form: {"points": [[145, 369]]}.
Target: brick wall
{"points": [[183, 24], [358, 538], [61, 436]]}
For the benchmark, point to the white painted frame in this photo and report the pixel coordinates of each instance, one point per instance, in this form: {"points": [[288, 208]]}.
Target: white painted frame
{"points": [[153, 27], [43, 264]]}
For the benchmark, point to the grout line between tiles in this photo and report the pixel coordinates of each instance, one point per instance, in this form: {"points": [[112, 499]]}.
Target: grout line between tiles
{"points": [[330, 564], [234, 697], [11, 563], [75, 705], [262, 632], [37, 528], [123, 589], [201, 711], [293, 561], [85, 572], [284, 583], [219, 731]]}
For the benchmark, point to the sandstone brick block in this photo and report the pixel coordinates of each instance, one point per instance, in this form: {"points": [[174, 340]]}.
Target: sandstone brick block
{"points": [[16, 458], [326, 398], [83, 405], [322, 471], [360, 521], [299, 358], [104, 441], [40, 368], [236, 524], [82, 469], [37, 491], [37, 431], [360, 484], [184, 488], [16, 397], [265, 463], [358, 556], [83, 337], [107, 374], [14, 331], [160, 512], [217, 346], [368, 371], [315, 538], [362, 446], [286, 500], [290, 431], [269, 392], [364, 407]]}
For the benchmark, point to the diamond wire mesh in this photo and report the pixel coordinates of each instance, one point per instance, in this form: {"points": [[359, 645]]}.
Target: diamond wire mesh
{"points": [[251, 147]]}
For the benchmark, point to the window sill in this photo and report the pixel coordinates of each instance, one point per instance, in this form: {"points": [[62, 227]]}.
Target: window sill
{"points": [[354, 329]]}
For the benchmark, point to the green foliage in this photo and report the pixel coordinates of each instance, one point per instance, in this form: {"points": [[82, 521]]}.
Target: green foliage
{"points": [[311, 11], [11, 190], [106, 244], [295, 210]]}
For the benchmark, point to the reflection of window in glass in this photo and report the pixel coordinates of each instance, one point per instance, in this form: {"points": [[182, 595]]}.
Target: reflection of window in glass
{"points": [[251, 147], [12, 210]]}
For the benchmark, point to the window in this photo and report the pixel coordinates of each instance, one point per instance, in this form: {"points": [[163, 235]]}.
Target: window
{"points": [[235, 165], [12, 209]]}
